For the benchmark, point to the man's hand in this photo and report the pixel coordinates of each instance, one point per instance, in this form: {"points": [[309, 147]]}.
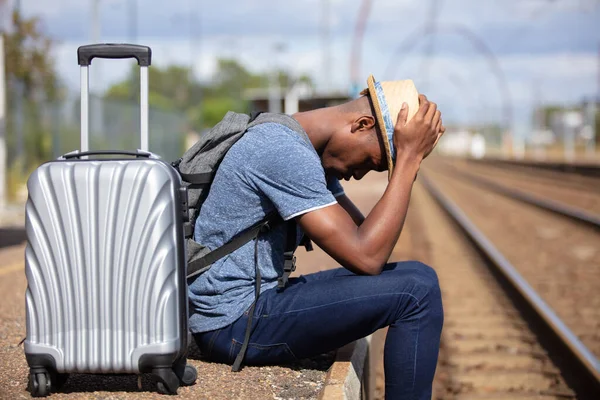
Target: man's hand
{"points": [[417, 138], [365, 248]]}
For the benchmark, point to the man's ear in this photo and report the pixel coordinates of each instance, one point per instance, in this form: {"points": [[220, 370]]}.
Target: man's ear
{"points": [[363, 123]]}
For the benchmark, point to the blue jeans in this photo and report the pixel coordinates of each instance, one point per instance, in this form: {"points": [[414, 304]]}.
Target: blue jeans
{"points": [[320, 312]]}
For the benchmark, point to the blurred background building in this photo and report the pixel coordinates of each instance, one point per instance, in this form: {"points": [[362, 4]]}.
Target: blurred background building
{"points": [[516, 78]]}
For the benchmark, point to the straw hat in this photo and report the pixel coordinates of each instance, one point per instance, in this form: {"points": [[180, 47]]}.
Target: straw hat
{"points": [[387, 98]]}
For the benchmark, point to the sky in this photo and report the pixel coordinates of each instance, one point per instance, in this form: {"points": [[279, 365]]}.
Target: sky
{"points": [[488, 60]]}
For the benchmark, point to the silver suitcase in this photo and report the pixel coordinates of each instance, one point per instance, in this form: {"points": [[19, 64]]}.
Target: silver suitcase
{"points": [[105, 258]]}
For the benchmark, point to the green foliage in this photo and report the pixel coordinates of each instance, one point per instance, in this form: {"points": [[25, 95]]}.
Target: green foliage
{"points": [[169, 89], [37, 140], [173, 88], [27, 58], [31, 81], [212, 110], [232, 78], [157, 100]]}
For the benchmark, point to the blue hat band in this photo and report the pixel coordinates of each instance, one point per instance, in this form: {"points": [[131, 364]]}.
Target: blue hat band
{"points": [[387, 119]]}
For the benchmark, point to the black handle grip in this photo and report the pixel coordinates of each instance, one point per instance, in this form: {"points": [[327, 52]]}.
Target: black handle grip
{"points": [[106, 152], [85, 54]]}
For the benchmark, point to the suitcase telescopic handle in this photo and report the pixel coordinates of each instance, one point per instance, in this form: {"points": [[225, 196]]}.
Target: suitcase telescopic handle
{"points": [[143, 54]]}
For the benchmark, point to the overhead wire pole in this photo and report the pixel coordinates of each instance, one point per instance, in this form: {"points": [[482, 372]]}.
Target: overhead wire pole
{"points": [[133, 31], [430, 50], [18, 94], [596, 125], [326, 43], [3, 161], [95, 31], [274, 84], [193, 21], [2, 125], [591, 115], [133, 21], [539, 151], [97, 102], [356, 51], [195, 43]]}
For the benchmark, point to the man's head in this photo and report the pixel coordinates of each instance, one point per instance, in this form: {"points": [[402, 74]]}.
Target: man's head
{"points": [[361, 131], [355, 146]]}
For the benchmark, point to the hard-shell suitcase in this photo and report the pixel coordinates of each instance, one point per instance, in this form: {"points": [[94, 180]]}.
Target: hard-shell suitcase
{"points": [[105, 259]]}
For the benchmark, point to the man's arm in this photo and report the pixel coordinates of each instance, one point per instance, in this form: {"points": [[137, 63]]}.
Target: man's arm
{"points": [[351, 209], [366, 248]]}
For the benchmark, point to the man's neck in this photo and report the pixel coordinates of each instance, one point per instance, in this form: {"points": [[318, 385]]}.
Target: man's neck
{"points": [[319, 125]]}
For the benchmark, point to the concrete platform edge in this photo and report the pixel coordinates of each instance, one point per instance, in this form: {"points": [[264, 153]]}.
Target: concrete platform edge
{"points": [[347, 376]]}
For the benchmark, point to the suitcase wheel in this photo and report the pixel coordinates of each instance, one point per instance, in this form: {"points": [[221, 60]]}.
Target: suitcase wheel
{"points": [[167, 380], [189, 376], [162, 389], [39, 384]]}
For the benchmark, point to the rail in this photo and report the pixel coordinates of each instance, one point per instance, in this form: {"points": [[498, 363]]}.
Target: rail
{"points": [[579, 355], [549, 205], [584, 168]]}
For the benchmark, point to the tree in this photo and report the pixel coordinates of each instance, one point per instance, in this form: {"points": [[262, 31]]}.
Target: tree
{"points": [[231, 77], [32, 81], [27, 55], [205, 105], [169, 88]]}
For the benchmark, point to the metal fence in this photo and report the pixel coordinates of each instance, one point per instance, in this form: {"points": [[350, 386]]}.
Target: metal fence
{"points": [[37, 132]]}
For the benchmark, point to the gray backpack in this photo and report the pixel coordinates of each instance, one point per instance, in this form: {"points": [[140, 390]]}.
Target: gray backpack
{"points": [[198, 167]]}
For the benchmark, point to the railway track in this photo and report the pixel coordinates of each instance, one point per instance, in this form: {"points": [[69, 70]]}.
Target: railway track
{"points": [[500, 340], [556, 247], [590, 169], [530, 175], [573, 190], [558, 207]]}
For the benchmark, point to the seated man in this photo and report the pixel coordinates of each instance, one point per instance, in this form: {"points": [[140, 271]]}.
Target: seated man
{"points": [[273, 168]]}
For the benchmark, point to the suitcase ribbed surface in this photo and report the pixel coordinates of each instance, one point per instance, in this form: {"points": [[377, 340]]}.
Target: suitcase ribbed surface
{"points": [[101, 263]]}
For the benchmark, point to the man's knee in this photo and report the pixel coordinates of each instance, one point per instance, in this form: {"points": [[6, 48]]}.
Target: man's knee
{"points": [[433, 298], [419, 272], [422, 278]]}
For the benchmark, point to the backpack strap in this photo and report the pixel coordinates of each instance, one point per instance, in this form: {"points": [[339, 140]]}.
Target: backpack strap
{"points": [[289, 264], [239, 359], [197, 179], [197, 266]]}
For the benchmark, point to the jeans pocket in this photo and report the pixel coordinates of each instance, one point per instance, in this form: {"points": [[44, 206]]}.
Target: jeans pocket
{"points": [[257, 354]]}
